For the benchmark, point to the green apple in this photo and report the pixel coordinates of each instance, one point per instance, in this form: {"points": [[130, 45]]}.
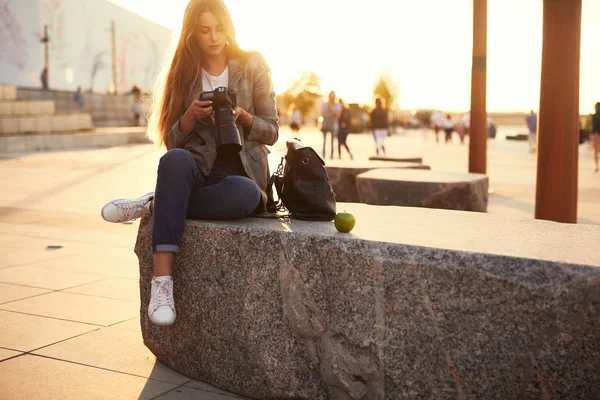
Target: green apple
{"points": [[344, 222]]}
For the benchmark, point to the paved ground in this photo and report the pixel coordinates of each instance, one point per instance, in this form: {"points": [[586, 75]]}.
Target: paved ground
{"points": [[511, 168], [69, 316]]}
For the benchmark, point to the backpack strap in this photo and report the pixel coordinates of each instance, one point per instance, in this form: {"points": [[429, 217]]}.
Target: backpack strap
{"points": [[276, 180]]}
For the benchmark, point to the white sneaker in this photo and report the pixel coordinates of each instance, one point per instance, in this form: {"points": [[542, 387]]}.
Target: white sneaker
{"points": [[123, 210], [161, 309]]}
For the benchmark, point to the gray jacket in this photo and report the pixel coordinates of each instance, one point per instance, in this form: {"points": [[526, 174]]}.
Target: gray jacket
{"points": [[251, 79]]}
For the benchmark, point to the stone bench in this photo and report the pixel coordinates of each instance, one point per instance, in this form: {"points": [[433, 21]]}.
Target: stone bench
{"points": [[343, 175], [414, 303], [430, 189], [417, 160], [518, 137]]}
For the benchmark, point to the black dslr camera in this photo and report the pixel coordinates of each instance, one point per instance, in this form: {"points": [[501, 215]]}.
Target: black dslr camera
{"points": [[228, 137]]}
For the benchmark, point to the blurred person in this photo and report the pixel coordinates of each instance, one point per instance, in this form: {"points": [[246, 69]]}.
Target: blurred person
{"points": [[295, 119], [596, 134], [44, 78], [531, 122], [461, 127], [448, 128], [425, 124], [437, 120], [330, 111], [364, 119], [79, 98], [344, 123], [194, 180], [380, 125], [137, 104], [589, 130], [492, 130]]}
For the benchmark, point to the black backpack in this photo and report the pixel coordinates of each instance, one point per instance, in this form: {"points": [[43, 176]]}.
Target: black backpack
{"points": [[302, 185]]}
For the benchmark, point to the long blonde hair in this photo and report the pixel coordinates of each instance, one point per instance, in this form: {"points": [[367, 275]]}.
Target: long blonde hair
{"points": [[174, 85]]}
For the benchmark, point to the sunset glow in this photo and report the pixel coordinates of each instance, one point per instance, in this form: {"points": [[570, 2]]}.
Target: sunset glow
{"points": [[424, 45]]}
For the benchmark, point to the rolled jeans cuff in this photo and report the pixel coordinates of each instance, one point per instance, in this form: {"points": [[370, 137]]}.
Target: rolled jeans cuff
{"points": [[166, 248]]}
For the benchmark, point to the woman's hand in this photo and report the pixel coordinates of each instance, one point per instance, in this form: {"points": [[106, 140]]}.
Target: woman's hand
{"points": [[239, 111], [247, 118], [199, 109]]}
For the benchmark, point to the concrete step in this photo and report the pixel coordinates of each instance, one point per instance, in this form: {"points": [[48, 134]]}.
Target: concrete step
{"points": [[96, 138], [8, 93], [26, 108], [45, 124]]}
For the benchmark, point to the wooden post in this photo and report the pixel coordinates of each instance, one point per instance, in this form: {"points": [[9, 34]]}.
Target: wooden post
{"points": [[478, 124], [558, 145], [114, 54]]}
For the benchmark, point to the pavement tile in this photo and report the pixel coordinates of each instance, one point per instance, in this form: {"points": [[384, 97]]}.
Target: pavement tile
{"points": [[189, 393], [112, 288], [33, 377], [6, 239], [82, 233], [4, 354], [28, 332], [10, 292], [115, 349], [123, 265], [44, 278], [133, 325], [76, 307], [196, 384], [25, 253]]}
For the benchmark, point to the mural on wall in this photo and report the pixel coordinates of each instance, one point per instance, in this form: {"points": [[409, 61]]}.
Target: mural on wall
{"points": [[98, 64], [93, 59], [139, 56], [13, 47], [132, 60], [80, 46]]}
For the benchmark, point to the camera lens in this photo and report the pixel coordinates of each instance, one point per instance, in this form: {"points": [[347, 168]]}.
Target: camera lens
{"points": [[228, 137]]}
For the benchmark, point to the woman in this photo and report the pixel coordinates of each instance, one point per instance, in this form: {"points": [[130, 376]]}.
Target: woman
{"points": [[344, 129], [136, 108], [380, 125], [194, 181], [295, 119], [330, 112], [448, 128]]}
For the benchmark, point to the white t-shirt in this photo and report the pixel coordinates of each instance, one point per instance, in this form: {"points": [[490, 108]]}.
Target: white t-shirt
{"points": [[437, 118], [210, 83], [448, 124]]}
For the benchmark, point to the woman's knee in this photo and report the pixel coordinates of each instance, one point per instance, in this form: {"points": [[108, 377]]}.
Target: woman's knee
{"points": [[248, 193], [176, 158]]}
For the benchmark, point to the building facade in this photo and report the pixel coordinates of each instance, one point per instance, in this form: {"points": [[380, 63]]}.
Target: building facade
{"points": [[80, 47]]}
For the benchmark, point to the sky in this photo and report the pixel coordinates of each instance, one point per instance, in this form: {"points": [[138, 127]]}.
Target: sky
{"points": [[424, 46]]}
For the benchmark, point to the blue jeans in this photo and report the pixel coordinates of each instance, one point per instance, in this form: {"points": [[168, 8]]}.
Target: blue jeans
{"points": [[333, 133], [183, 192]]}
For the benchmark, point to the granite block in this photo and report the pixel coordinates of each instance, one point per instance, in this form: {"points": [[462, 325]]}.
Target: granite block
{"points": [[5, 109], [343, 175], [27, 124], [16, 144], [10, 93], [58, 123], [418, 160], [417, 188], [43, 124], [9, 125], [273, 309]]}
